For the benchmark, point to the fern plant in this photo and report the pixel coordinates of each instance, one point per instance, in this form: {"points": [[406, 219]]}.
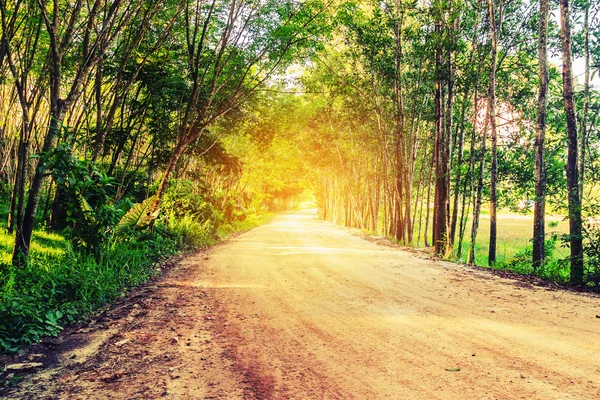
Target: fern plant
{"points": [[140, 215]]}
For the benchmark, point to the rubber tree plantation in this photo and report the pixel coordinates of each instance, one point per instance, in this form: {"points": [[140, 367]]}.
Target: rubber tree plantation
{"points": [[131, 131]]}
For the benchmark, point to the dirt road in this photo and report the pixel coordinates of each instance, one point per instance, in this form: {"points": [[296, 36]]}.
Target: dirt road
{"points": [[300, 309]]}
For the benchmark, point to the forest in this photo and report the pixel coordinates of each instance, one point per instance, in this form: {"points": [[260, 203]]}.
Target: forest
{"points": [[134, 130]]}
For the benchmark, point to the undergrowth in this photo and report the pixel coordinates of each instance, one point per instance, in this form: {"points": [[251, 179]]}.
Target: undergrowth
{"points": [[61, 284], [556, 268], [53, 290]]}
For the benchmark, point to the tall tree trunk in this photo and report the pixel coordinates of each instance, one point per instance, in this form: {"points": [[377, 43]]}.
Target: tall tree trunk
{"points": [[15, 212], [398, 217], [460, 150], [428, 211], [491, 114], [164, 182], [400, 159], [12, 205], [22, 174], [418, 198], [586, 98], [440, 233], [459, 163], [100, 133], [478, 193], [470, 176], [576, 239], [49, 197], [376, 200], [407, 209], [539, 234], [448, 140], [464, 210], [25, 230]]}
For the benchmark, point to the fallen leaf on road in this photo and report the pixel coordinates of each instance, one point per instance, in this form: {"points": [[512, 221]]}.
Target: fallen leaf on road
{"points": [[23, 366], [122, 342]]}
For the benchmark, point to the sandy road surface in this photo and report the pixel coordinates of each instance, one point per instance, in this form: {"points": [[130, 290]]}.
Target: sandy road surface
{"points": [[300, 309]]}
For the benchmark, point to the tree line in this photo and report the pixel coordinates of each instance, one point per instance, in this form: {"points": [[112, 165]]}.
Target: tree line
{"points": [[437, 111], [407, 118], [106, 100]]}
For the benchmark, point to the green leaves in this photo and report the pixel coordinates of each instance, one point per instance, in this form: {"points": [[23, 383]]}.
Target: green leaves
{"points": [[140, 215], [85, 206], [51, 322]]}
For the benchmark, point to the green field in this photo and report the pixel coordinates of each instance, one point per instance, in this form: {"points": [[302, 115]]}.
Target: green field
{"points": [[514, 236]]}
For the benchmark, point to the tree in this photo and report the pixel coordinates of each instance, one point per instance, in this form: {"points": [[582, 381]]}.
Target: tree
{"points": [[574, 203], [586, 97], [441, 146], [83, 30], [539, 235], [232, 49], [491, 115], [19, 50]]}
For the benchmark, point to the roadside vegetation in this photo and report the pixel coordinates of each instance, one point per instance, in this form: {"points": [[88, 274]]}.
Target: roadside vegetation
{"points": [[514, 247], [61, 284], [115, 117], [134, 130], [434, 119]]}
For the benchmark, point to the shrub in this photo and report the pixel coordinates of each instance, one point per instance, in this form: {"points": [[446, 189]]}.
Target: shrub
{"points": [[183, 207], [62, 285], [193, 233], [85, 195], [181, 200], [49, 292], [591, 251], [556, 270]]}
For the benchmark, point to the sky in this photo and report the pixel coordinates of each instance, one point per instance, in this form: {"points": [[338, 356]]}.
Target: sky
{"points": [[578, 70], [578, 63]]}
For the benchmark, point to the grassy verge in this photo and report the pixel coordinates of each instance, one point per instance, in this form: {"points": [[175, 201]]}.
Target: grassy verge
{"points": [[514, 247], [514, 237], [59, 286]]}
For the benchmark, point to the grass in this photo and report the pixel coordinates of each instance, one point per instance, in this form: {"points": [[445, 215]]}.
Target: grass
{"points": [[43, 245], [514, 236], [59, 286], [513, 252], [513, 248]]}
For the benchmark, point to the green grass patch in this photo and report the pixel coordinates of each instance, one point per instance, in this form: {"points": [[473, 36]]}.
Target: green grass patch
{"points": [[513, 251], [43, 245], [514, 237], [59, 286]]}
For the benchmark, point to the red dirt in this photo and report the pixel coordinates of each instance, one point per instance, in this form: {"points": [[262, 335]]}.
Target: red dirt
{"points": [[301, 309]]}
